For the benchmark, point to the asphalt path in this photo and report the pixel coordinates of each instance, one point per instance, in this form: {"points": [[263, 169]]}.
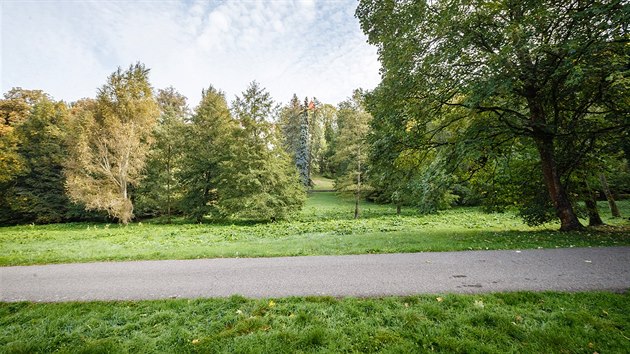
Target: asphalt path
{"points": [[573, 269]]}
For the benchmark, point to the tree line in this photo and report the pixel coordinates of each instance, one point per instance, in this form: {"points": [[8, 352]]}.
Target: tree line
{"points": [[138, 152], [505, 104]]}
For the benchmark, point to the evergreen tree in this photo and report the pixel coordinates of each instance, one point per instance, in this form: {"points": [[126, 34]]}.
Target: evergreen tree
{"points": [[160, 190], [303, 157], [259, 181], [208, 143]]}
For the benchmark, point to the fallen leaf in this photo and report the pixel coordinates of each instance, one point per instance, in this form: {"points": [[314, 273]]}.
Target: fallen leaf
{"points": [[195, 341], [271, 303], [406, 304], [590, 345], [479, 304], [519, 318], [439, 299], [239, 312]]}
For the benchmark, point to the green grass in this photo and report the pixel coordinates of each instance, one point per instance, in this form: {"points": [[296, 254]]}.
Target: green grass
{"points": [[322, 183], [493, 323], [325, 227]]}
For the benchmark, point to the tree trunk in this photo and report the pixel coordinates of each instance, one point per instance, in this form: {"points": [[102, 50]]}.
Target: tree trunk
{"points": [[611, 200], [559, 198], [398, 209], [168, 185], [544, 144], [591, 207], [358, 192]]}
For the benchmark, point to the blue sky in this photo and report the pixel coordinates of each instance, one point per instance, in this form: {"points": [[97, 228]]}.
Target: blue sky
{"points": [[68, 48]]}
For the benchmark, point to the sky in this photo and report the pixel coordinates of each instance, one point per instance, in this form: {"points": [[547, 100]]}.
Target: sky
{"points": [[69, 48]]}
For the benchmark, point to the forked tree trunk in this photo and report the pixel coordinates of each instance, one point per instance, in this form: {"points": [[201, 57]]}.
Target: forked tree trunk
{"points": [[559, 198], [544, 144], [611, 200], [591, 207]]}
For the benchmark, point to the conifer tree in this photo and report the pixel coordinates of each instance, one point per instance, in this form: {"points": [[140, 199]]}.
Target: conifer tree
{"points": [[259, 181], [209, 140]]}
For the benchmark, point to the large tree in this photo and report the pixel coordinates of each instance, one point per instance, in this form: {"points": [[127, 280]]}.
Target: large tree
{"points": [[259, 181], [544, 70], [112, 135], [32, 189], [208, 141], [160, 190]]}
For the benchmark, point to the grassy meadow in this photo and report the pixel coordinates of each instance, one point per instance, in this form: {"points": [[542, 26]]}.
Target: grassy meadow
{"points": [[324, 227], [521, 322], [493, 323]]}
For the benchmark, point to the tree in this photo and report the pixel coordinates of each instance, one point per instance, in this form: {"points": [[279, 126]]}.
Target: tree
{"points": [[112, 136], [208, 143], [259, 180], [34, 190], [160, 190], [352, 148], [543, 70]]}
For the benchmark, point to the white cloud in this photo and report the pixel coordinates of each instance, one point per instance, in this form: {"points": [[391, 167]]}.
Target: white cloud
{"points": [[68, 48]]}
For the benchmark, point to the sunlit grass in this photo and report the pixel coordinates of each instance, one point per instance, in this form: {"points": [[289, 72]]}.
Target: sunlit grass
{"points": [[494, 323], [325, 227]]}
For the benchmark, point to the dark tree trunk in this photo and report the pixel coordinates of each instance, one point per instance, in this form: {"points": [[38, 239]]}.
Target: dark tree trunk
{"points": [[559, 198], [545, 146], [611, 200], [591, 207]]}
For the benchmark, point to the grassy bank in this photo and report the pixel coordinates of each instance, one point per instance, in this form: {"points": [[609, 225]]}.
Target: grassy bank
{"points": [[513, 322], [325, 227]]}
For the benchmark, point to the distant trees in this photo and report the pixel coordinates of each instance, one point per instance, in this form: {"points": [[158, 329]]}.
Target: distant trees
{"points": [[112, 136], [353, 149]]}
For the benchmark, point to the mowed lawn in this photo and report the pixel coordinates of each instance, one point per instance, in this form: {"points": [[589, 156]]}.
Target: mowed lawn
{"points": [[324, 227], [493, 323]]}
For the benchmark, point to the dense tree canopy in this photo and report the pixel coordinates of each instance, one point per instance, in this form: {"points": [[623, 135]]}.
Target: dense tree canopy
{"points": [[111, 141], [475, 75]]}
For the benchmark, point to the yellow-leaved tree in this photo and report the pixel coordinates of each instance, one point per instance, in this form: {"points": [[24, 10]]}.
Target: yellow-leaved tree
{"points": [[111, 137]]}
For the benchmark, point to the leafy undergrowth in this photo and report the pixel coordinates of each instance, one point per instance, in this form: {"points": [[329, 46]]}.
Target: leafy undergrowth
{"points": [[325, 227], [511, 323]]}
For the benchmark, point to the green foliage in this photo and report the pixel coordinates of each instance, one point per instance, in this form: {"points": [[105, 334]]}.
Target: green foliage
{"points": [[520, 322], [110, 141], [161, 191], [352, 148], [259, 180], [325, 227], [208, 142], [33, 187], [474, 76]]}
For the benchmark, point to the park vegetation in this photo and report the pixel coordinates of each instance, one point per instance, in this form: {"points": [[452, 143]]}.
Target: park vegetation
{"points": [[508, 105]]}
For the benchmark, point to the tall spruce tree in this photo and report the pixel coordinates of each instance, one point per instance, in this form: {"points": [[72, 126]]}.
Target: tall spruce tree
{"points": [[208, 143], [303, 156], [160, 190], [259, 181]]}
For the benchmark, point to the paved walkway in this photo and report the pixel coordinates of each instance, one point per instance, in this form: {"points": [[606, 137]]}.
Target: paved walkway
{"points": [[574, 269]]}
